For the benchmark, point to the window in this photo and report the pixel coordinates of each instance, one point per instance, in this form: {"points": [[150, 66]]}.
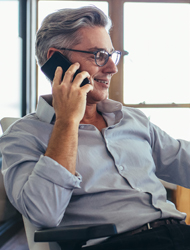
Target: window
{"points": [[156, 72], [159, 60], [10, 63]]}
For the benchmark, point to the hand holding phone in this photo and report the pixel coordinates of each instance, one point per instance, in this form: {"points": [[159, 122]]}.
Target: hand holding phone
{"points": [[57, 59]]}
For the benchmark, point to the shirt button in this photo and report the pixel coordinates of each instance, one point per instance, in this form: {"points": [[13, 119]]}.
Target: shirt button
{"points": [[121, 168], [138, 189], [82, 126]]}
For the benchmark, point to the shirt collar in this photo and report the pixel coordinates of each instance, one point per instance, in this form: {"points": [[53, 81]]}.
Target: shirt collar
{"points": [[45, 111], [111, 110], [109, 106]]}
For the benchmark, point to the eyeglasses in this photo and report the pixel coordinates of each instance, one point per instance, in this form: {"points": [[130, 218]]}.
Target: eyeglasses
{"points": [[101, 56]]}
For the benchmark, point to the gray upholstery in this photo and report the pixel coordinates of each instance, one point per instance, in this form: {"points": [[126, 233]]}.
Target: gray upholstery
{"points": [[6, 209]]}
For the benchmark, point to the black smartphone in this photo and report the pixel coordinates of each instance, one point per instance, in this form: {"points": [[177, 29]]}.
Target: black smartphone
{"points": [[57, 59]]}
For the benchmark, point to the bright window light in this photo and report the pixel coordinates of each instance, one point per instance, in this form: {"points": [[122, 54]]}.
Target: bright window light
{"points": [[10, 51], [157, 36]]}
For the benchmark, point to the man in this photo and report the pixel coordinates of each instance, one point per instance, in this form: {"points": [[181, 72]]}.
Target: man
{"points": [[82, 158]]}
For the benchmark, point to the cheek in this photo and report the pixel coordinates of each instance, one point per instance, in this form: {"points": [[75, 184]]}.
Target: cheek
{"points": [[87, 65], [90, 67], [94, 71]]}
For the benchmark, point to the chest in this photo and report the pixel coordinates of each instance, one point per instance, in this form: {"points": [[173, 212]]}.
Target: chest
{"points": [[118, 153]]}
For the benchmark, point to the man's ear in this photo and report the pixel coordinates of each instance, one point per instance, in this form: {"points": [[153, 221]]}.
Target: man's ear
{"points": [[50, 52]]}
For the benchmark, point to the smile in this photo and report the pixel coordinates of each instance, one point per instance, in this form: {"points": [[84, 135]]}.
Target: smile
{"points": [[101, 81]]}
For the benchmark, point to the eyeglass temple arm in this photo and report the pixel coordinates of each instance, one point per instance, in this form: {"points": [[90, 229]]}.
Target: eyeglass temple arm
{"points": [[125, 53]]}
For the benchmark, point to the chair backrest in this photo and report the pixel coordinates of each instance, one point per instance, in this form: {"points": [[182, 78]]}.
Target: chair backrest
{"points": [[30, 230], [29, 227], [7, 121]]}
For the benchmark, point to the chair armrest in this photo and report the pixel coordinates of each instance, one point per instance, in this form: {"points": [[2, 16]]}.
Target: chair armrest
{"points": [[75, 233]]}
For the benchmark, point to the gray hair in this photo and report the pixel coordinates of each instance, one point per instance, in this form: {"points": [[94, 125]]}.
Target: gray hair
{"points": [[60, 29]]}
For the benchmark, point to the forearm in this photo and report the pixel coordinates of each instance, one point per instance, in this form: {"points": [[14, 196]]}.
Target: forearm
{"points": [[62, 146], [69, 102]]}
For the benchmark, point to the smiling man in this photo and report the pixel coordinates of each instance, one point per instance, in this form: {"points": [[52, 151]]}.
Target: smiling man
{"points": [[82, 158]]}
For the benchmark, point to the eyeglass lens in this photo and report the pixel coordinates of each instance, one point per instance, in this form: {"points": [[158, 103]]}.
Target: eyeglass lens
{"points": [[103, 56], [115, 57]]}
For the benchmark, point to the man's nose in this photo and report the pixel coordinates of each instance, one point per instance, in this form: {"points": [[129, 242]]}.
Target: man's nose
{"points": [[110, 66]]}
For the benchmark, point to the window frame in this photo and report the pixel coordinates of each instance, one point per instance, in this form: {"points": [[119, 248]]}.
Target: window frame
{"points": [[117, 35]]}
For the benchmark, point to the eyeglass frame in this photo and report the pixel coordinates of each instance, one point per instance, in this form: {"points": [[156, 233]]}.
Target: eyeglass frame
{"points": [[95, 53]]}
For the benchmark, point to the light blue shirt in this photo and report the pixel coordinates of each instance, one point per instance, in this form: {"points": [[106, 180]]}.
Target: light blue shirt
{"points": [[117, 170]]}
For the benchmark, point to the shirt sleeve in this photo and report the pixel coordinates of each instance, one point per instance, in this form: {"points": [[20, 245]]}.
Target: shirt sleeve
{"points": [[39, 187], [171, 156]]}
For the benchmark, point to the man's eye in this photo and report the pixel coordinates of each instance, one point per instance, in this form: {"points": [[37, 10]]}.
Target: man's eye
{"points": [[101, 55]]}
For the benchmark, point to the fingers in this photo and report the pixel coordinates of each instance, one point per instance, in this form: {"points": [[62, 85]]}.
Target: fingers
{"points": [[69, 99], [80, 77], [58, 76], [87, 88], [69, 74]]}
